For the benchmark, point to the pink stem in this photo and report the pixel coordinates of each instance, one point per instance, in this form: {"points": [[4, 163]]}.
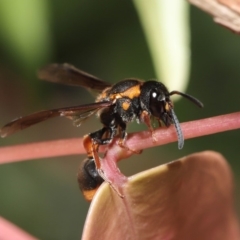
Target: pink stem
{"points": [[10, 231], [135, 141]]}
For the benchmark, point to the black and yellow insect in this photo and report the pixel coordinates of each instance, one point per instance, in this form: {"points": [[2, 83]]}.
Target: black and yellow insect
{"points": [[118, 104]]}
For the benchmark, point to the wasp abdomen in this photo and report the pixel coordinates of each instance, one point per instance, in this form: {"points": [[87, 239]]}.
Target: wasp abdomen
{"points": [[89, 179]]}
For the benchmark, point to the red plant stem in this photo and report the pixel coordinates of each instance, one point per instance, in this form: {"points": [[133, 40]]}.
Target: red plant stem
{"points": [[135, 141], [190, 129], [10, 231], [38, 150]]}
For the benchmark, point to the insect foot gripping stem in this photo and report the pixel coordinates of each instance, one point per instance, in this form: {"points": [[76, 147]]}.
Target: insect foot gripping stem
{"points": [[121, 143]]}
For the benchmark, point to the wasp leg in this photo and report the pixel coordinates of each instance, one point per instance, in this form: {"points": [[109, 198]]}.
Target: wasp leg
{"points": [[123, 137], [97, 136], [147, 120], [92, 141], [89, 179], [91, 148]]}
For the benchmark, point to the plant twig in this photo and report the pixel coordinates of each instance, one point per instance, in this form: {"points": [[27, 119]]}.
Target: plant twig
{"points": [[137, 141], [10, 231]]}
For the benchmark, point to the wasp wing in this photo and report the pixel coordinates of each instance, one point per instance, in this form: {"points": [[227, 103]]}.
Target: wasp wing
{"points": [[70, 75], [79, 113]]}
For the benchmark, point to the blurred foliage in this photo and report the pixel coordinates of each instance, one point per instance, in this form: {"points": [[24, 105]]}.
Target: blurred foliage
{"points": [[166, 26], [25, 32], [106, 39]]}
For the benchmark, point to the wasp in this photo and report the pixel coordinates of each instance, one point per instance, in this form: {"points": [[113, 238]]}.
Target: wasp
{"points": [[116, 105]]}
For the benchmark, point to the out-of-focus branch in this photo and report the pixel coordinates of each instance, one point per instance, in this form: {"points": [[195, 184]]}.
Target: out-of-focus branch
{"points": [[10, 231], [224, 12]]}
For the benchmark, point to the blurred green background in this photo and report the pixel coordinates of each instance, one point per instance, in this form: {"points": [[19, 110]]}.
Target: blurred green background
{"points": [[104, 38]]}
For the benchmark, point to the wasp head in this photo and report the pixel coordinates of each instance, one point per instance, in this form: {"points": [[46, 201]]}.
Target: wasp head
{"points": [[155, 99]]}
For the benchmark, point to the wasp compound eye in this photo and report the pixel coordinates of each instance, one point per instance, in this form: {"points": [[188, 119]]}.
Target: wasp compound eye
{"points": [[89, 179]]}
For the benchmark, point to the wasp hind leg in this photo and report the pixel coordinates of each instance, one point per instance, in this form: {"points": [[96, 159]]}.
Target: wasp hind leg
{"points": [[91, 175], [145, 118], [91, 144], [97, 136], [92, 141]]}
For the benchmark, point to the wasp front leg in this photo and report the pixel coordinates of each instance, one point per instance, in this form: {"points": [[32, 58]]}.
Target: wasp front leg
{"points": [[145, 117]]}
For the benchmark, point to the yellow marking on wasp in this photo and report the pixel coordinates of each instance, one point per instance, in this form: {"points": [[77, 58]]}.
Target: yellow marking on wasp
{"points": [[89, 194], [168, 106], [130, 93], [126, 105]]}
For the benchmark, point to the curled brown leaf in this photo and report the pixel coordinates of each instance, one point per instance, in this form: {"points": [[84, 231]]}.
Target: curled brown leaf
{"points": [[191, 198]]}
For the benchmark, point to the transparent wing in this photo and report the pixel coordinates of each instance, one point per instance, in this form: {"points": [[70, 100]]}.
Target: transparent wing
{"points": [[70, 75], [81, 113]]}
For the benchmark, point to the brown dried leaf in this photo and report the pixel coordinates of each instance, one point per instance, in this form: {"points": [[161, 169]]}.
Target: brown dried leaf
{"points": [[224, 12], [191, 198], [10, 231], [232, 4]]}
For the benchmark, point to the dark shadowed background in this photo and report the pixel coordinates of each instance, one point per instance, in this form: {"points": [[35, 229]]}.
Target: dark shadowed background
{"points": [[104, 38]]}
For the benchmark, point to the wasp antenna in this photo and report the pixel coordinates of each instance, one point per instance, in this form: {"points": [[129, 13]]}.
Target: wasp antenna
{"points": [[178, 129], [189, 97]]}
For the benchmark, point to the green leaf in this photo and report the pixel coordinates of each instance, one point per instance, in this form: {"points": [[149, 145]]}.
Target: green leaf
{"points": [[24, 27], [166, 26]]}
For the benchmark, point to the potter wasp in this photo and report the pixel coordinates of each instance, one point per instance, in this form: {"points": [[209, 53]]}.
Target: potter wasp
{"points": [[116, 105]]}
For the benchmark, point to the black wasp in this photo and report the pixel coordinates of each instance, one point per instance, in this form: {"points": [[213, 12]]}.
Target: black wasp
{"points": [[116, 105]]}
